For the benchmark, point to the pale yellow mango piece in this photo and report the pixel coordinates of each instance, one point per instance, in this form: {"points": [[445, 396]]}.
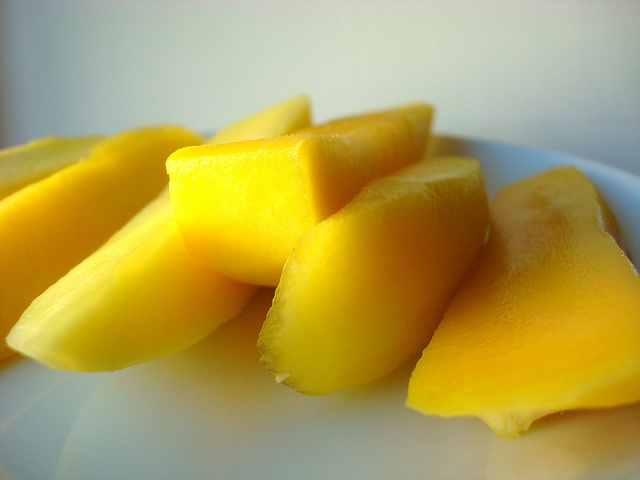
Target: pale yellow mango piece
{"points": [[242, 206], [364, 289], [33, 161], [548, 321], [49, 226], [141, 296]]}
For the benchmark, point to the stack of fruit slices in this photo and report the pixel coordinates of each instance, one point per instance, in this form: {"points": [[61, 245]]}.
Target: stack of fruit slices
{"points": [[521, 308]]}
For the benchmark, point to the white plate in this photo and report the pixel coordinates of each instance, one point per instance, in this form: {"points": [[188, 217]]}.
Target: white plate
{"points": [[213, 411]]}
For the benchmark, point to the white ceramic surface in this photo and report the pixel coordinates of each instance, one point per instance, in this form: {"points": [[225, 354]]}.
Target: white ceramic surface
{"points": [[213, 411]]}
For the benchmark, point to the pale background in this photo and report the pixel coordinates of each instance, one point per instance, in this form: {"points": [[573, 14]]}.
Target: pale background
{"points": [[563, 75]]}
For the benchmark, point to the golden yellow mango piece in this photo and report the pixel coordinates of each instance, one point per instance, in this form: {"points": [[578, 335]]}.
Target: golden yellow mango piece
{"points": [[280, 119], [140, 296], [364, 289], [49, 226], [242, 206], [548, 321], [33, 161]]}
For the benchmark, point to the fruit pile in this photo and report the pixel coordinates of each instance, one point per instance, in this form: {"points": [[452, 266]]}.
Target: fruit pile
{"points": [[520, 307]]}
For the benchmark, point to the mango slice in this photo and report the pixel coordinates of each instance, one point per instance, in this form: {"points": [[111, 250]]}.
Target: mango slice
{"points": [[33, 161], [241, 207], [364, 289], [548, 321], [280, 119], [49, 226], [141, 296]]}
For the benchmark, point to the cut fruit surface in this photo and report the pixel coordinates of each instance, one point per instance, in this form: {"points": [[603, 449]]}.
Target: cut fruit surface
{"points": [[51, 225], [242, 206], [140, 296], [548, 321], [364, 289], [33, 161]]}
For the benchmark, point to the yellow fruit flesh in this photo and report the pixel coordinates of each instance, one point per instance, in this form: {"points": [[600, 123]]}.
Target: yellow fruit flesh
{"points": [[33, 161], [140, 296], [548, 321], [242, 206], [364, 289], [280, 119], [51, 225]]}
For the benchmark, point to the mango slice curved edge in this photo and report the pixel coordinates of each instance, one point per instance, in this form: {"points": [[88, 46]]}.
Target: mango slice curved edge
{"points": [[364, 289], [51, 225], [25, 164], [549, 320]]}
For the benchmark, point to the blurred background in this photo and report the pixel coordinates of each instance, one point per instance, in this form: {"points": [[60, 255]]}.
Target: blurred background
{"points": [[563, 75]]}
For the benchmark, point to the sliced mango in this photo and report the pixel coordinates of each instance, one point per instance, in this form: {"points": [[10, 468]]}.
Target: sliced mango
{"points": [[280, 119], [364, 289], [49, 226], [241, 207], [548, 321], [141, 296], [33, 161]]}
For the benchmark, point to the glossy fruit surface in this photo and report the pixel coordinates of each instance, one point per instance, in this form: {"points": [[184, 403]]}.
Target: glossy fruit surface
{"points": [[49, 226], [140, 296], [242, 206], [548, 321], [365, 288]]}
